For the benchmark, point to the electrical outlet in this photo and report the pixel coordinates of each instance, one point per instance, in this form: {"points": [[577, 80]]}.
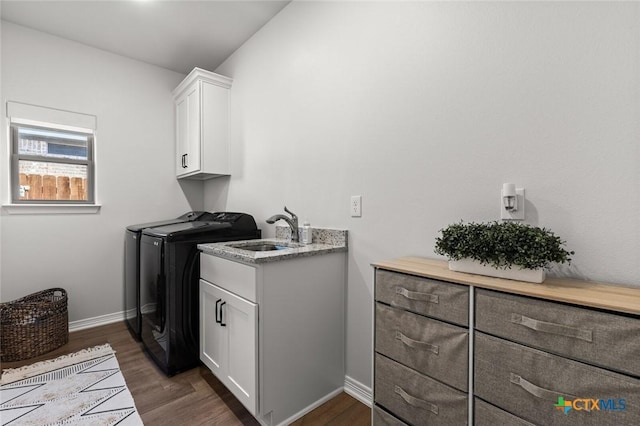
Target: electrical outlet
{"points": [[356, 205]]}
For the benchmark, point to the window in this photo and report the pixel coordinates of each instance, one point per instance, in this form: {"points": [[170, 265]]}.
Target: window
{"points": [[51, 165], [52, 159]]}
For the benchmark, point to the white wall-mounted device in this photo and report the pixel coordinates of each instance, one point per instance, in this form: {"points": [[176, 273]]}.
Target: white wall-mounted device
{"points": [[511, 202], [356, 206]]}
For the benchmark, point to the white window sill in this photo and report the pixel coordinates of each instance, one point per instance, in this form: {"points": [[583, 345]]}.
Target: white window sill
{"points": [[51, 208]]}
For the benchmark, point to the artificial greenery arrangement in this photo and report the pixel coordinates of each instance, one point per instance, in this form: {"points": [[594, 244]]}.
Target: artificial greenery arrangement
{"points": [[502, 245]]}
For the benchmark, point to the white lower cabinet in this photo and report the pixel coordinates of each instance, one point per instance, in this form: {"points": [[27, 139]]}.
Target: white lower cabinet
{"points": [[273, 333], [228, 341]]}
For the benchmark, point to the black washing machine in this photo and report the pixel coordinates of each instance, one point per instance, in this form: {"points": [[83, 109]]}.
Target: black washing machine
{"points": [[169, 277], [133, 234]]}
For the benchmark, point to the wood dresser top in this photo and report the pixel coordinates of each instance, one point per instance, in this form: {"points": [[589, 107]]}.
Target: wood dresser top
{"points": [[596, 295]]}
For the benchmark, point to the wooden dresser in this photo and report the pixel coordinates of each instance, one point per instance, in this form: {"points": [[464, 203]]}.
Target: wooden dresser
{"points": [[454, 349]]}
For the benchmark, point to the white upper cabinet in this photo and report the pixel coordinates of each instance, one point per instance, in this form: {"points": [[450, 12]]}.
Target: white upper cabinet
{"points": [[202, 125]]}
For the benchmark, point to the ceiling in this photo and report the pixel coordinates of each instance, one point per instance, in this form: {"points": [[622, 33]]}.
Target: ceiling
{"points": [[174, 34]]}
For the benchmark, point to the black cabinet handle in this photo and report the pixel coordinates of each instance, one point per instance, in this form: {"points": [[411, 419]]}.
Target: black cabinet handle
{"points": [[185, 161], [222, 323], [218, 321]]}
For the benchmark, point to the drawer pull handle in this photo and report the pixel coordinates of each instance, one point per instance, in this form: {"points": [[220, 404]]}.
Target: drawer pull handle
{"points": [[218, 321], [414, 295], [222, 323], [416, 344], [537, 391], [549, 327], [415, 402]]}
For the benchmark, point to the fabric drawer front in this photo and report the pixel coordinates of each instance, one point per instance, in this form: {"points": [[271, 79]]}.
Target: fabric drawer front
{"points": [[382, 418], [437, 299], [431, 347], [417, 399], [536, 386], [604, 339], [488, 415]]}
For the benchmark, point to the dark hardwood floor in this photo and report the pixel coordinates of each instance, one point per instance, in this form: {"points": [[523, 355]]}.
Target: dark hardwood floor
{"points": [[194, 397]]}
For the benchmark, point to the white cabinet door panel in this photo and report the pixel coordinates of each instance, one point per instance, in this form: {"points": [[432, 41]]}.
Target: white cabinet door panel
{"points": [[192, 160], [188, 131], [212, 336], [240, 316], [181, 134]]}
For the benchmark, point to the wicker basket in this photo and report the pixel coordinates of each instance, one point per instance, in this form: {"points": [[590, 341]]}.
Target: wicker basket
{"points": [[33, 325]]}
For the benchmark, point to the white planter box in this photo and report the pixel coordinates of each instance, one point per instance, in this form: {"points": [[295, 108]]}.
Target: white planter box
{"points": [[474, 267]]}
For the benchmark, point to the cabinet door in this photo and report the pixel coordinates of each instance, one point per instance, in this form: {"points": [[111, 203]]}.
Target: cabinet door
{"points": [[212, 335], [188, 131], [228, 341], [181, 134], [240, 317]]}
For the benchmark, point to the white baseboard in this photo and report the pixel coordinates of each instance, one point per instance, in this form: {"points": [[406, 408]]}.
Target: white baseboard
{"points": [[357, 390], [96, 321]]}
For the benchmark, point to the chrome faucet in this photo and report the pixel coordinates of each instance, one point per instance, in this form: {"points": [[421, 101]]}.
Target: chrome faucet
{"points": [[293, 222]]}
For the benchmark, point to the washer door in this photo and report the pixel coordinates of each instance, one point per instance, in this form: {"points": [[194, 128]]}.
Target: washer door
{"points": [[153, 298]]}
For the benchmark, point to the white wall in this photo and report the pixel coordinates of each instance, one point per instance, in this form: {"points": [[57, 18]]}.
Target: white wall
{"points": [[2, 183], [135, 167], [425, 109]]}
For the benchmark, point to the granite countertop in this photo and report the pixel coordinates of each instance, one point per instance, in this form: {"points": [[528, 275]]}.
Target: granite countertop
{"points": [[324, 241]]}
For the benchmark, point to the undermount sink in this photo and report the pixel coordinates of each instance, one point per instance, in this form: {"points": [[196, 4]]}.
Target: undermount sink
{"points": [[260, 247]]}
